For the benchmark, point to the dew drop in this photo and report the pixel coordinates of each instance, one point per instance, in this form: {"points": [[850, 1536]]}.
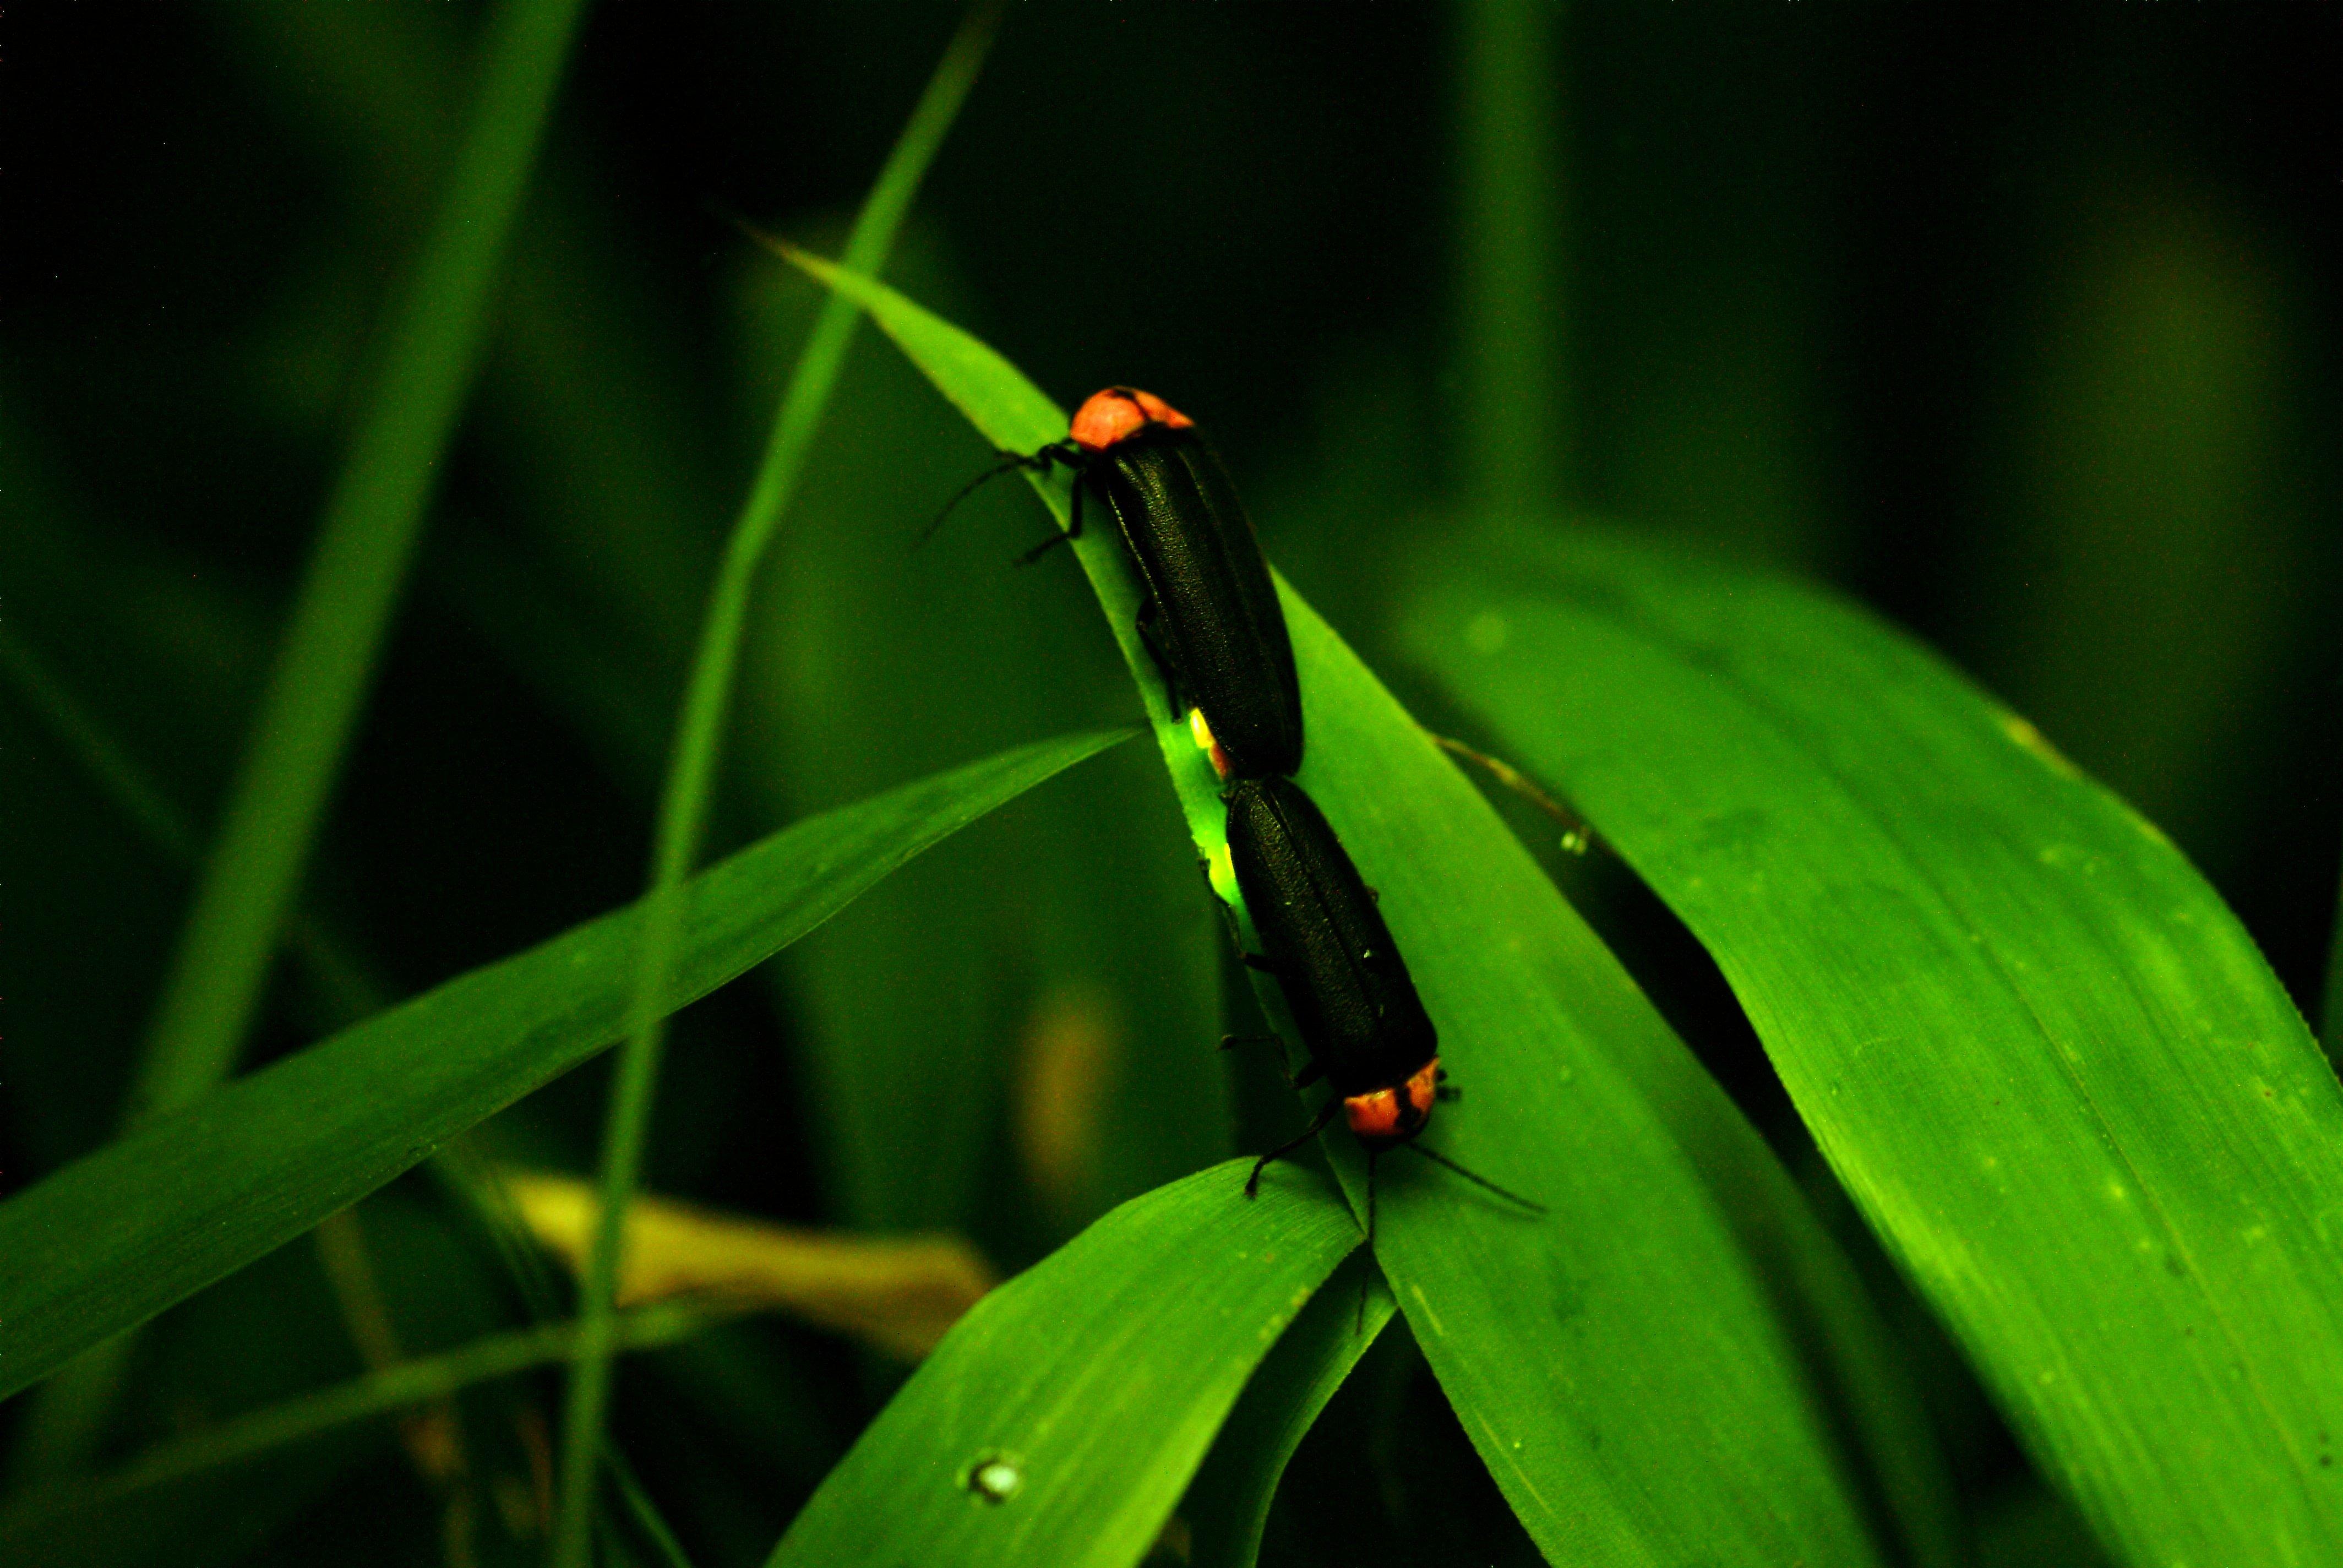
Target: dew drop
{"points": [[996, 1478]]}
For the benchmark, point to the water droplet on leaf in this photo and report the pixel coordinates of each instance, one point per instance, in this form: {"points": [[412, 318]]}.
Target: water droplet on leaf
{"points": [[996, 1478]]}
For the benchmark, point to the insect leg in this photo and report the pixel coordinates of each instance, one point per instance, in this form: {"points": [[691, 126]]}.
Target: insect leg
{"points": [[1043, 549], [1303, 1079], [1151, 638], [1066, 455], [1317, 1125]]}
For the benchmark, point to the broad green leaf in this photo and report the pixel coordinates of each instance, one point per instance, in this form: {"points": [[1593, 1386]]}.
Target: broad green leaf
{"points": [[1618, 1363], [115, 1237], [1228, 1504], [2043, 1057], [1061, 1419]]}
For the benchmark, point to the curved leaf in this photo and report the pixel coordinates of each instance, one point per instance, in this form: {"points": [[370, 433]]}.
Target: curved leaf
{"points": [[1060, 1420], [1228, 1505], [115, 1237], [2042, 1055], [1619, 1364]]}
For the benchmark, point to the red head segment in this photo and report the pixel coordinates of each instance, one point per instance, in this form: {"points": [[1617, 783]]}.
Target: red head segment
{"points": [[1383, 1117], [1119, 412]]}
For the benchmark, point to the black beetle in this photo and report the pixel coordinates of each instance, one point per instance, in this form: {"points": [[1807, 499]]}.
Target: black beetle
{"points": [[1210, 616], [1343, 978]]}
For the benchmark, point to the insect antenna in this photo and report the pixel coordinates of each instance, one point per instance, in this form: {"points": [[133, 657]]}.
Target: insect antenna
{"points": [[1010, 462], [1437, 1157]]}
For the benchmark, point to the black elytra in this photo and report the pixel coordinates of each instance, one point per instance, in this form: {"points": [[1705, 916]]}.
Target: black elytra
{"points": [[1212, 616], [1343, 979], [1209, 614], [1327, 946]]}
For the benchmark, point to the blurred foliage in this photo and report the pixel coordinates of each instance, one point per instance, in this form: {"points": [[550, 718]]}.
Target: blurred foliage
{"points": [[2021, 330], [898, 1294]]}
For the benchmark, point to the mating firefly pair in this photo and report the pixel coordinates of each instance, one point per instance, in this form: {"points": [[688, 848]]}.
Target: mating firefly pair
{"points": [[1211, 619]]}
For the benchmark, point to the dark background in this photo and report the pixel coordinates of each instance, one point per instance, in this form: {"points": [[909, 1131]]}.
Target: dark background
{"points": [[2017, 325]]}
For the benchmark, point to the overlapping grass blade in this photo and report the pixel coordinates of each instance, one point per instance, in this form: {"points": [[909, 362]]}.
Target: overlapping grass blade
{"points": [[589, 410], [326, 660], [1619, 1364], [1061, 1419], [2044, 1058], [1057, 962], [115, 1237], [1228, 1504], [689, 787], [1622, 1365]]}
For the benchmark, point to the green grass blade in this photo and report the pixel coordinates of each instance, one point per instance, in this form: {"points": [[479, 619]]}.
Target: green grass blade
{"points": [[1615, 1362], [1097, 1379], [394, 1388], [326, 656], [67, 1420], [115, 1237], [2044, 1060], [589, 408], [691, 769], [639, 1507], [332, 969], [1228, 1504], [116, 773], [992, 394]]}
